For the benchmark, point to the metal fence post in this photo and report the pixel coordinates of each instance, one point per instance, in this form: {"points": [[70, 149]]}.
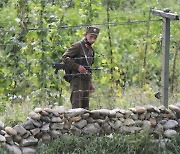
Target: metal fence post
{"points": [[165, 61], [167, 16]]}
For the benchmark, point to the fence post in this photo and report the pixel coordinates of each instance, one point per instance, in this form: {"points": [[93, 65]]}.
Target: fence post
{"points": [[167, 16]]}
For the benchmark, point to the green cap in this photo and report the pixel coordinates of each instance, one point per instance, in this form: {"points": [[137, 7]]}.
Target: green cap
{"points": [[92, 30]]}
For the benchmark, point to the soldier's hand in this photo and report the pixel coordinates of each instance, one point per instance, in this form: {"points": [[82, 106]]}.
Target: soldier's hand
{"points": [[81, 69]]}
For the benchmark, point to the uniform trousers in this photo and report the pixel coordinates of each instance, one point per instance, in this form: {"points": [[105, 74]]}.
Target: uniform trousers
{"points": [[79, 93]]}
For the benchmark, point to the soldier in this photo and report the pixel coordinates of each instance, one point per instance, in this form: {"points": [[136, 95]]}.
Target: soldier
{"points": [[79, 59]]}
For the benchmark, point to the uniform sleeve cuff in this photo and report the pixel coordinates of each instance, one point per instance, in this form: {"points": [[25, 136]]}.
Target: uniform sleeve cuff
{"points": [[75, 66]]}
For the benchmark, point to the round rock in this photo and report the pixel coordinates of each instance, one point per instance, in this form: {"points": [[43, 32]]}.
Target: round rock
{"points": [[170, 124], [11, 131], [170, 133]]}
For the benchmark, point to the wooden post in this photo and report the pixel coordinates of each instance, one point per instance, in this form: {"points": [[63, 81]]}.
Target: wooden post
{"points": [[167, 16]]}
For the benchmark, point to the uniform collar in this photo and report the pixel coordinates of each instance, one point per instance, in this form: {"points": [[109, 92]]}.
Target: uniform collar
{"points": [[87, 44]]}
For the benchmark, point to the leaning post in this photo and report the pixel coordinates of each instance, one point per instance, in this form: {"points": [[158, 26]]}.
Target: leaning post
{"points": [[167, 17]]}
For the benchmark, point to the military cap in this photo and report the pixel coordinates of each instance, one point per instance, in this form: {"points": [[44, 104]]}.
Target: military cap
{"points": [[92, 30]]}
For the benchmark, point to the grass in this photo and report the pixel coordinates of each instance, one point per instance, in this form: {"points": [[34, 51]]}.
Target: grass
{"points": [[141, 143]]}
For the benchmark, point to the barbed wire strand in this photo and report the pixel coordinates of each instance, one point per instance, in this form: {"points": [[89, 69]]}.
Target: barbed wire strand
{"points": [[85, 25]]}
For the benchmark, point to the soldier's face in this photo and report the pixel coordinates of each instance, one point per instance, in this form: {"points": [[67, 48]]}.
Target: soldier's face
{"points": [[91, 38]]}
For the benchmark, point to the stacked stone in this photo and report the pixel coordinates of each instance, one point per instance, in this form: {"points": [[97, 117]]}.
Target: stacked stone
{"points": [[42, 125]]}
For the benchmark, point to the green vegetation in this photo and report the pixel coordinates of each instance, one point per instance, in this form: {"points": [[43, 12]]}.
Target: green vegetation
{"points": [[35, 33], [141, 143]]}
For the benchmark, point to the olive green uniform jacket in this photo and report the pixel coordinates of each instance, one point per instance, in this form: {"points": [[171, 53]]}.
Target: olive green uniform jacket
{"points": [[80, 83]]}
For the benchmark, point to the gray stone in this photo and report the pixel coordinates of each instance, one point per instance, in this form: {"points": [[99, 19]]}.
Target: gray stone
{"points": [[38, 110], [28, 150], [67, 125], [75, 112], [16, 149], [17, 138], [34, 115], [163, 121], [128, 114], [117, 124], [104, 112], [28, 124], [45, 118], [133, 129], [35, 131], [45, 127], [106, 128], [49, 110], [75, 130], [142, 116], [91, 129], [30, 141], [2, 138], [174, 108], [138, 123], [133, 109], [46, 137], [178, 104], [56, 119], [159, 129], [36, 123], [80, 124], [26, 135], [150, 108], [170, 133], [8, 148], [95, 114], [112, 113], [60, 109], [129, 122], [55, 112], [134, 116], [163, 109], [147, 115], [9, 139], [86, 115], [170, 124], [55, 133], [146, 125], [119, 115], [44, 113], [122, 119], [20, 129], [57, 125], [2, 132], [122, 111], [154, 114], [178, 122]]}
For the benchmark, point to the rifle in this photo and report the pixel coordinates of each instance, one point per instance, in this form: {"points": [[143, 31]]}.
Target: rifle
{"points": [[68, 76], [58, 66], [61, 66]]}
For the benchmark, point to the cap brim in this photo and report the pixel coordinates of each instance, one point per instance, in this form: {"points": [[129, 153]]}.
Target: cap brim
{"points": [[94, 33]]}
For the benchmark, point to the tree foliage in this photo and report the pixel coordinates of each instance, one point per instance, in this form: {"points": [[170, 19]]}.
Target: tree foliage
{"points": [[35, 33]]}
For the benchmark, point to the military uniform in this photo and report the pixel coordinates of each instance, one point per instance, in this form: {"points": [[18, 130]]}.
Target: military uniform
{"points": [[80, 53]]}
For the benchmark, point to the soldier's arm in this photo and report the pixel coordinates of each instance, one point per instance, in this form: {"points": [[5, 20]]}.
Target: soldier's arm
{"points": [[68, 56]]}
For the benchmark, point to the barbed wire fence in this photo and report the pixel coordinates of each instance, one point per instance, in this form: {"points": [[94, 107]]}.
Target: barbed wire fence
{"points": [[105, 69]]}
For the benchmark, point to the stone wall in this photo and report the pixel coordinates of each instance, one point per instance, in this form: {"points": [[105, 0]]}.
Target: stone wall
{"points": [[48, 123]]}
